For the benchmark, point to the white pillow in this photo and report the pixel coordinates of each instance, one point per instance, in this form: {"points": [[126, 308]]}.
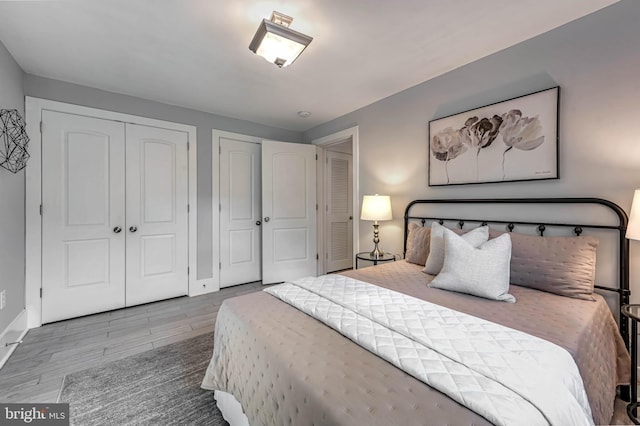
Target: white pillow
{"points": [[434, 263], [481, 271]]}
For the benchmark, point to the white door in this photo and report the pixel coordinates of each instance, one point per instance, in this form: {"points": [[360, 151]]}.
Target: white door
{"points": [[157, 214], [338, 212], [83, 217], [288, 210], [240, 212]]}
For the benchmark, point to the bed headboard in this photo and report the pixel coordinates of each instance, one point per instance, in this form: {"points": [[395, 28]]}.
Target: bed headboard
{"points": [[577, 227]]}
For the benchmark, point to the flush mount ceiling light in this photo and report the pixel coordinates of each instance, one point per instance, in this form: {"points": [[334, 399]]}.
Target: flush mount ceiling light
{"points": [[278, 43]]}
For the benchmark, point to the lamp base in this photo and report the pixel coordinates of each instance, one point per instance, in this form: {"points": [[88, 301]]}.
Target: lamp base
{"points": [[376, 253]]}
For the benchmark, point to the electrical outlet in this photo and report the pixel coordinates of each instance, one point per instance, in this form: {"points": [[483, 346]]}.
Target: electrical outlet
{"points": [[3, 299]]}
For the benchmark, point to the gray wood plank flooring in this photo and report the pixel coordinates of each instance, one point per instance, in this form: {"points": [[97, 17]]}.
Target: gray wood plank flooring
{"points": [[35, 371]]}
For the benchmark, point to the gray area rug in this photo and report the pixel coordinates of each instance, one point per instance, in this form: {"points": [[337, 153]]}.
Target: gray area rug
{"points": [[157, 387]]}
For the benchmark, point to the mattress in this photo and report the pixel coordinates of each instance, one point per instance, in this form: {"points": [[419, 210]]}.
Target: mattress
{"points": [[285, 367]]}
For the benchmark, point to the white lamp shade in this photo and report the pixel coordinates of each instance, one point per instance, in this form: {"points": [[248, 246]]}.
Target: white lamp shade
{"points": [[633, 228], [376, 207]]}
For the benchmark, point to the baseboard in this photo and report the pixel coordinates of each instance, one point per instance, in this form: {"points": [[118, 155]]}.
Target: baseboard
{"points": [[13, 333], [203, 287]]}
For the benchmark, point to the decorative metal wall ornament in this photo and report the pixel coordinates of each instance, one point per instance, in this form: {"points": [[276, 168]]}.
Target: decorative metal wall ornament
{"points": [[13, 140]]}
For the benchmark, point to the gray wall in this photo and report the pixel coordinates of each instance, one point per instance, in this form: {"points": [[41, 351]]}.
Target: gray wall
{"points": [[595, 61], [45, 88], [12, 188]]}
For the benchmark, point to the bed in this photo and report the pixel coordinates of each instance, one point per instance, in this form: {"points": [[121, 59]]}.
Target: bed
{"points": [[282, 366]]}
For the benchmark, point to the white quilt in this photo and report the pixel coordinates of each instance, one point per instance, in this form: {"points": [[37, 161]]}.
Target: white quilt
{"points": [[506, 376]]}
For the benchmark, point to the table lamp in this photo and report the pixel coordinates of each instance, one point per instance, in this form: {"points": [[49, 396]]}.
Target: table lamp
{"points": [[376, 207], [633, 228], [633, 233]]}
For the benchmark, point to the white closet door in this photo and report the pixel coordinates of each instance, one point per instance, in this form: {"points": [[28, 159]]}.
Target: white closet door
{"points": [[338, 210], [240, 212], [157, 219], [83, 220], [288, 210]]}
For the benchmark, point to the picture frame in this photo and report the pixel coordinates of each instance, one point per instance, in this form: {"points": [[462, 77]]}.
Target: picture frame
{"points": [[508, 141]]}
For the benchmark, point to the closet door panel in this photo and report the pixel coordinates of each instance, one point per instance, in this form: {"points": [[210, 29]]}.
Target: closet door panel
{"points": [[240, 210], [289, 211], [83, 244], [338, 212], [156, 213]]}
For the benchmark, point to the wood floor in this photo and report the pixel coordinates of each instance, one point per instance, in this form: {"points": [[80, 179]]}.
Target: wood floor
{"points": [[35, 371]]}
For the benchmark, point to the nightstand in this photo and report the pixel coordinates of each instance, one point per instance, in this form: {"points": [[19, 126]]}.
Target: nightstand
{"points": [[633, 313], [367, 256]]}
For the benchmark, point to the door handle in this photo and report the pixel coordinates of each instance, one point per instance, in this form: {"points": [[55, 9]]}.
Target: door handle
{"points": [[258, 223], [266, 219], [133, 228], [350, 217], [117, 229]]}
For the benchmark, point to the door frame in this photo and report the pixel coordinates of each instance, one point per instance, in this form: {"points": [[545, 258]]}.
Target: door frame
{"points": [[215, 195], [323, 143], [33, 194]]}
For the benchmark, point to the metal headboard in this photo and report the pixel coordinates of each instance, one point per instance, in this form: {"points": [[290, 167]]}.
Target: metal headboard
{"points": [[623, 291]]}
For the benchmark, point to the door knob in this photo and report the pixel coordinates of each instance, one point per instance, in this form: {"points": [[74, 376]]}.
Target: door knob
{"points": [[266, 219], [133, 228], [350, 217], [258, 223], [117, 229]]}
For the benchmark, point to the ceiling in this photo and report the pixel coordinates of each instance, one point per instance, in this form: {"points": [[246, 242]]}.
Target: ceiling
{"points": [[194, 53]]}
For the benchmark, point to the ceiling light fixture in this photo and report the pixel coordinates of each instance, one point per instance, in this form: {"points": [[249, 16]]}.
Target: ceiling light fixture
{"points": [[278, 43], [304, 114]]}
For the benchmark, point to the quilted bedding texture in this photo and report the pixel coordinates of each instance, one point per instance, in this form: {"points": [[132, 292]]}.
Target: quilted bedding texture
{"points": [[500, 373], [288, 368], [585, 328]]}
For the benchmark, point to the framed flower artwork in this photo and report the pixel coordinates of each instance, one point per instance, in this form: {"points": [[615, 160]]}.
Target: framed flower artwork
{"points": [[513, 140]]}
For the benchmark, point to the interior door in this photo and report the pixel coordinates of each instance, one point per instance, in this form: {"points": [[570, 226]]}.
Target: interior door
{"points": [[338, 212], [288, 210], [83, 216], [240, 212], [156, 213]]}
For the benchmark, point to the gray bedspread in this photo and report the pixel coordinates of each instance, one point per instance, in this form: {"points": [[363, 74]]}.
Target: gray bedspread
{"points": [[288, 368]]}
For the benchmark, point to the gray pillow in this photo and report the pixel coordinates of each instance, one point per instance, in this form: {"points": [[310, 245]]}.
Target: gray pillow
{"points": [[481, 271], [418, 241], [560, 265], [434, 263]]}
